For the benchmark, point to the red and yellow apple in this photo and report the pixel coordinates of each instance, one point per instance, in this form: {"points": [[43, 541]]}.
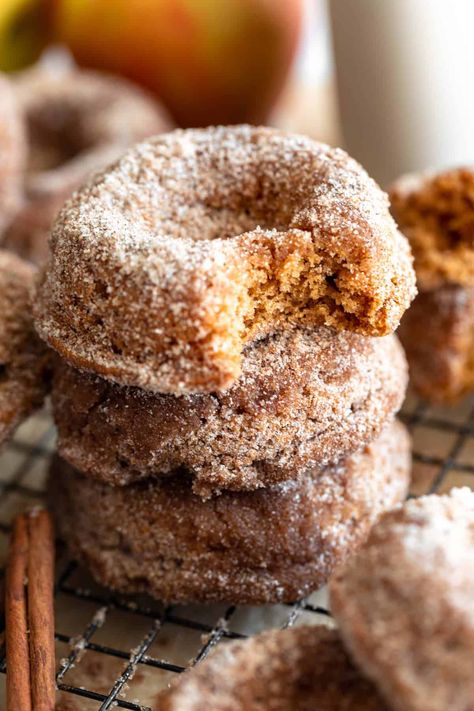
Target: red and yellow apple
{"points": [[209, 61]]}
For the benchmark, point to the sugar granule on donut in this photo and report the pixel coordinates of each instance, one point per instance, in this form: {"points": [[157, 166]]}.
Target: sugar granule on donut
{"points": [[24, 362], [12, 153], [437, 333], [77, 121], [436, 212], [405, 604], [195, 243], [305, 397], [302, 668], [272, 545]]}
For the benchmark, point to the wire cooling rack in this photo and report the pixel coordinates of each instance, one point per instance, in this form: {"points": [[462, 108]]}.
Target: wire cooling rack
{"points": [[119, 652]]}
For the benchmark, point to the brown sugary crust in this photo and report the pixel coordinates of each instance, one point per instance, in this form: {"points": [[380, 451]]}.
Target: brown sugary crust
{"points": [[405, 604], [197, 242], [270, 545], [436, 212], [305, 398], [12, 153], [77, 121], [24, 362], [437, 333], [301, 668]]}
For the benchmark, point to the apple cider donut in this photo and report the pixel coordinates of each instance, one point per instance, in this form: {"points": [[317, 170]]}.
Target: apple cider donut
{"points": [[437, 333], [405, 604], [76, 122], [197, 242], [436, 212], [300, 668], [305, 397], [12, 153], [23, 359], [270, 545]]}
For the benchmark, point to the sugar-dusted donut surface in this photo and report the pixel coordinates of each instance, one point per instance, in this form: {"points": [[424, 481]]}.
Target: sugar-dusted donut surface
{"points": [[436, 212], [12, 153], [405, 604], [271, 545], [305, 397], [437, 333], [301, 668], [23, 358], [76, 121], [196, 242]]}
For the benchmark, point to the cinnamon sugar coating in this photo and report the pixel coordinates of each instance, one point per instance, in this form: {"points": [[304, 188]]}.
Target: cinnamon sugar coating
{"points": [[436, 212], [275, 544], [197, 242], [299, 669], [437, 333], [304, 398], [12, 153], [77, 121], [405, 604], [23, 358]]}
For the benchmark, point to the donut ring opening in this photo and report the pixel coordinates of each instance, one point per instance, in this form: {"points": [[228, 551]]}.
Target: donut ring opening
{"points": [[76, 122], [198, 242]]}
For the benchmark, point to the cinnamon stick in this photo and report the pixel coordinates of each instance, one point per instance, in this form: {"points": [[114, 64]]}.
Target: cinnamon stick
{"points": [[16, 624], [41, 611], [29, 614]]}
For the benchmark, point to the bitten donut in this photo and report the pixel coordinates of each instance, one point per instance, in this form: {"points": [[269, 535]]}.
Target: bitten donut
{"points": [[197, 242], [23, 359], [437, 333], [76, 122], [300, 668], [305, 397], [436, 212], [270, 545], [12, 153], [405, 604]]}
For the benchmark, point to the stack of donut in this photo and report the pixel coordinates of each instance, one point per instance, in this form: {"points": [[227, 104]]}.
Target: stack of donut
{"points": [[221, 303], [436, 212]]}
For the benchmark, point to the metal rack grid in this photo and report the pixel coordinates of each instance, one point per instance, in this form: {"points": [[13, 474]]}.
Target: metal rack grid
{"points": [[119, 652]]}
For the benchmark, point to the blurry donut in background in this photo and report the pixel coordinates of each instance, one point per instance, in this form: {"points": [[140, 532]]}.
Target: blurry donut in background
{"points": [[76, 122]]}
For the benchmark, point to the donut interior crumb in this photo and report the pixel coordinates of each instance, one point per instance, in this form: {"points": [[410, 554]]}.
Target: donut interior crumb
{"points": [[437, 215]]}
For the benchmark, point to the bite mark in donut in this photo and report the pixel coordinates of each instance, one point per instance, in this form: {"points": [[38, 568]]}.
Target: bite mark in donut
{"points": [[198, 242]]}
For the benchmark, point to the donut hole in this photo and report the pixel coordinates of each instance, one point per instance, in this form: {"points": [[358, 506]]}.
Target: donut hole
{"points": [[293, 272], [55, 136]]}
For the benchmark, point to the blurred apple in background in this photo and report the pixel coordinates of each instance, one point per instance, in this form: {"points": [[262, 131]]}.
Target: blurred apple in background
{"points": [[23, 32], [209, 61]]}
